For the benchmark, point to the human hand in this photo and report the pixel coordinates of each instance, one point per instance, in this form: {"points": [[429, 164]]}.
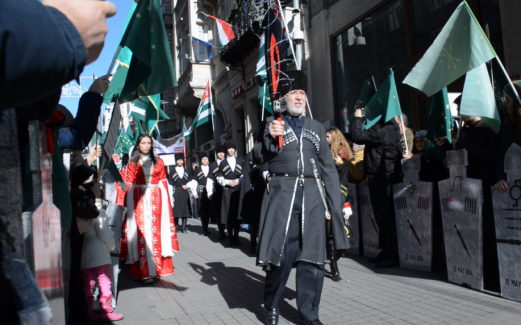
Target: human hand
{"points": [[100, 85], [502, 185], [328, 216], [276, 128], [196, 197], [358, 112], [407, 155], [95, 152], [338, 160], [346, 216], [89, 18], [184, 187], [210, 197]]}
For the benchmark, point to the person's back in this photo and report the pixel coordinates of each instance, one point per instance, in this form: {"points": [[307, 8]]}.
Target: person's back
{"points": [[382, 148], [382, 169], [480, 142]]}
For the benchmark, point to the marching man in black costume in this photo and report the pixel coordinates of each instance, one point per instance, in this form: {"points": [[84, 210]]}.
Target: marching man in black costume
{"points": [[293, 217], [215, 191], [201, 175], [181, 179], [229, 177]]}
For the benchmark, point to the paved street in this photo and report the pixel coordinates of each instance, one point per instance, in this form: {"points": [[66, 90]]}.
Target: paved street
{"points": [[217, 285]]}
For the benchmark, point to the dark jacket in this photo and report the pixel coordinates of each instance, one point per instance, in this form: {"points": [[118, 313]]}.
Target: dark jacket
{"points": [[507, 137], [481, 144], [78, 136], [285, 166], [383, 151], [40, 51]]}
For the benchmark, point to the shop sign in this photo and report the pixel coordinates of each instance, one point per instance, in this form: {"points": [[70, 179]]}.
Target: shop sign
{"points": [[243, 88]]}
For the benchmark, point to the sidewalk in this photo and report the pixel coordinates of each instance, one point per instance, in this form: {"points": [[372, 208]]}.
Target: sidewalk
{"points": [[217, 285]]}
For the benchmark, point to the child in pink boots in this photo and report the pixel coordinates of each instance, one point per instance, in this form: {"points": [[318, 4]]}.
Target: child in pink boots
{"points": [[95, 265]]}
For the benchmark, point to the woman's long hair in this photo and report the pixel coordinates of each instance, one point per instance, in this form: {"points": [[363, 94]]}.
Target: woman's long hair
{"points": [[339, 145], [136, 153], [124, 161]]}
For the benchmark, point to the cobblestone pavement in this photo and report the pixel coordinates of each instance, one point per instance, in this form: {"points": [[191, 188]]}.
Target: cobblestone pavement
{"points": [[217, 285]]}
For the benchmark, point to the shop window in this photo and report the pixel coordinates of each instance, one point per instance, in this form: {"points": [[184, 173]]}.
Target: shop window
{"points": [[429, 18], [364, 55]]}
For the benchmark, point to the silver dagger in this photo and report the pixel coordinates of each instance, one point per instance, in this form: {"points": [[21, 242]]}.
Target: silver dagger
{"points": [[320, 185]]}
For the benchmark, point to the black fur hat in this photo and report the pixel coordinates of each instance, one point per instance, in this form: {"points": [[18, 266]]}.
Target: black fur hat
{"points": [[204, 154], [220, 148], [294, 80], [229, 145]]}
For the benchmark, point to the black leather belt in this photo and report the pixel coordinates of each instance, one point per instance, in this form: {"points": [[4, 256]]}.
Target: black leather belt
{"points": [[291, 175]]}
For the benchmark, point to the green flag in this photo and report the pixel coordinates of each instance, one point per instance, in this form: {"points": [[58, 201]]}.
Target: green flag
{"points": [[440, 117], [113, 169], [385, 102], [153, 115], [139, 129], [460, 47], [261, 75], [151, 69], [498, 94], [478, 98], [366, 92], [203, 112], [125, 142], [185, 130], [123, 61]]}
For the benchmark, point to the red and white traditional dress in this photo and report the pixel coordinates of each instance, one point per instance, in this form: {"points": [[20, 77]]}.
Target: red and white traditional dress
{"points": [[149, 238]]}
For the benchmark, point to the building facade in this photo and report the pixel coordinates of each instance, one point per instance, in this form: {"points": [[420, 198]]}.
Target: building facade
{"points": [[348, 44]]}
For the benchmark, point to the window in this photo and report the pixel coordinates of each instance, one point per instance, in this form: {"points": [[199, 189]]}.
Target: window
{"points": [[363, 56]]}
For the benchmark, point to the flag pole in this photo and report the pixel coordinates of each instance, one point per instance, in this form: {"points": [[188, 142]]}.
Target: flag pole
{"points": [[491, 71], [292, 49], [114, 60], [509, 81], [263, 101], [213, 125], [404, 138]]}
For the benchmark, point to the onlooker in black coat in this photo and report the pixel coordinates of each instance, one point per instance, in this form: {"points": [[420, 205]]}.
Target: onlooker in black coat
{"points": [[382, 158]]}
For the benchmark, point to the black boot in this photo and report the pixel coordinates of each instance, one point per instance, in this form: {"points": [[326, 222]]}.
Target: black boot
{"points": [[271, 316], [335, 274], [184, 225], [177, 225], [229, 228], [222, 235]]}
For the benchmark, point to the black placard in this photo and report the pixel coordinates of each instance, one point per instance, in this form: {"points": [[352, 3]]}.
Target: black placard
{"points": [[112, 134]]}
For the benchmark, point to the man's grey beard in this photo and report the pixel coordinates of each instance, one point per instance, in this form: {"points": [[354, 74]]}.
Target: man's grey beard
{"points": [[293, 111]]}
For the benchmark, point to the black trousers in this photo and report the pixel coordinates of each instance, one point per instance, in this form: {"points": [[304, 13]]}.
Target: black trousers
{"points": [[380, 190], [205, 209], [310, 277]]}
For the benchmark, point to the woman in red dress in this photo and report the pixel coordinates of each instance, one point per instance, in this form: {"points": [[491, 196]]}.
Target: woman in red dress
{"points": [[150, 237]]}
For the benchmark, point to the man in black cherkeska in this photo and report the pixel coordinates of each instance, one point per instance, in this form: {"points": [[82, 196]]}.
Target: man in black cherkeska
{"points": [[215, 190], [180, 178], [229, 177], [201, 175], [252, 192], [293, 217]]}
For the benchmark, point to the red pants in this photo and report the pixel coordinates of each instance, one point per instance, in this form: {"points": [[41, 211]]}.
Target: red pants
{"points": [[101, 273]]}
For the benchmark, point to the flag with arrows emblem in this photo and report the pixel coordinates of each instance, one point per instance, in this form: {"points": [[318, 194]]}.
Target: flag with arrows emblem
{"points": [[460, 47]]}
